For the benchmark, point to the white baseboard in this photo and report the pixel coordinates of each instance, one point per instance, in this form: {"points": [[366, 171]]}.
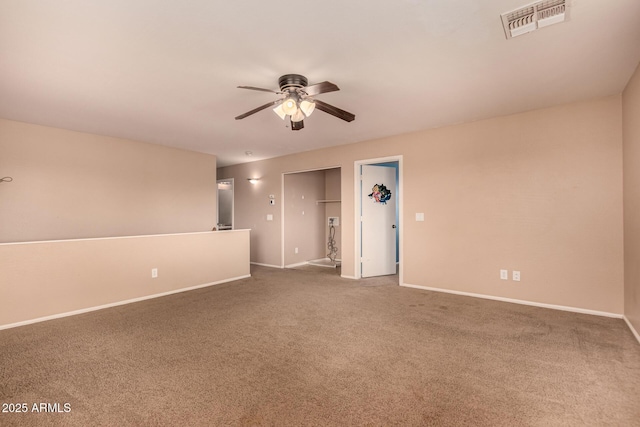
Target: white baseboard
{"points": [[115, 304], [348, 277], [633, 330], [266, 265], [297, 264], [518, 301]]}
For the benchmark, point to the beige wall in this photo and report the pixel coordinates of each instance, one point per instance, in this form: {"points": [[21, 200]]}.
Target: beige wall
{"points": [[539, 192], [43, 279], [77, 185], [303, 217], [631, 138]]}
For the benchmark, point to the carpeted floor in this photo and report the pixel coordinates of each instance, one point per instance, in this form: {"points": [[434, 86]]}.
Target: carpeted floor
{"points": [[305, 347]]}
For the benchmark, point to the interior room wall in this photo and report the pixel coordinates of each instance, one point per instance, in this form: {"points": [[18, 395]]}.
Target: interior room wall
{"points": [[303, 217], [631, 150], [539, 192], [77, 185], [44, 279], [251, 207], [332, 192]]}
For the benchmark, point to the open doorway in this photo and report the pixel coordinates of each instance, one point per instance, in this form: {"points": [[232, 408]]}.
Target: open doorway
{"points": [[311, 214], [225, 204], [378, 214]]}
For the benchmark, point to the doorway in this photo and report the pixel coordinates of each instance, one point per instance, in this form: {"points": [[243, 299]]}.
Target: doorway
{"points": [[225, 204], [311, 210], [378, 216]]}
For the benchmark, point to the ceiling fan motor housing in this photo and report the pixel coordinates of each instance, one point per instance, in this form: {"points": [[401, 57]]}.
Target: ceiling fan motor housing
{"points": [[292, 81]]}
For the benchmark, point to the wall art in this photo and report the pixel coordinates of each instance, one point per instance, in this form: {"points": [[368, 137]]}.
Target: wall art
{"points": [[380, 194]]}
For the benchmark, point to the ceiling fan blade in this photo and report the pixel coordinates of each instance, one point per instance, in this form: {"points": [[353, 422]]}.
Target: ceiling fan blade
{"points": [[260, 108], [297, 125], [335, 111], [257, 88], [319, 88]]}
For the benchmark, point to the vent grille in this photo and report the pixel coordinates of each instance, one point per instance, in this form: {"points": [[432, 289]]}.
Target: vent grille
{"points": [[534, 16]]}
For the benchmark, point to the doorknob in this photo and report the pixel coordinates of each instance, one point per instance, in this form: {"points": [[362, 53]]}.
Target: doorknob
{"points": [[393, 226]]}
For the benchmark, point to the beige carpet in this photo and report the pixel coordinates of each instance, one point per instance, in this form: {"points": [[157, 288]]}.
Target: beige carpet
{"points": [[305, 347]]}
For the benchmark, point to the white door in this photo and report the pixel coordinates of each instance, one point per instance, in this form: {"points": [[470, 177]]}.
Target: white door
{"points": [[378, 220]]}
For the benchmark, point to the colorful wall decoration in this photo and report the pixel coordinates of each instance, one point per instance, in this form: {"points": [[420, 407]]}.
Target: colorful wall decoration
{"points": [[380, 194]]}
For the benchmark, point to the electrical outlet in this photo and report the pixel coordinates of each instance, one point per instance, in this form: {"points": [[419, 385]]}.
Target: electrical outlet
{"points": [[154, 273], [516, 276], [504, 274], [334, 220], [295, 250]]}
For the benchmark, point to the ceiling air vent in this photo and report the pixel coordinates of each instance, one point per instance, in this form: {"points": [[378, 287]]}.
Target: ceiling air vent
{"points": [[536, 15]]}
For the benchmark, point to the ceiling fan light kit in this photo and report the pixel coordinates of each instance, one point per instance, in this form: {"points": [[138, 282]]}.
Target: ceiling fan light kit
{"points": [[279, 111], [298, 116], [298, 102], [290, 106], [307, 107]]}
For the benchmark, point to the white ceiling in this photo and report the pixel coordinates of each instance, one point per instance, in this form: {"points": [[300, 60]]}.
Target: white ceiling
{"points": [[166, 71]]}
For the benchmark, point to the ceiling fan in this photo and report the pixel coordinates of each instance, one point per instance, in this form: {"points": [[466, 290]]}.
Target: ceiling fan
{"points": [[297, 102]]}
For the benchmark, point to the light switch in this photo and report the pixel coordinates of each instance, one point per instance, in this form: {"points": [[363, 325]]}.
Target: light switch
{"points": [[420, 216], [269, 217]]}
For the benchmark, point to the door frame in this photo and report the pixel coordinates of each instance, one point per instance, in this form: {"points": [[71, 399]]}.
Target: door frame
{"points": [[357, 255], [282, 219]]}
